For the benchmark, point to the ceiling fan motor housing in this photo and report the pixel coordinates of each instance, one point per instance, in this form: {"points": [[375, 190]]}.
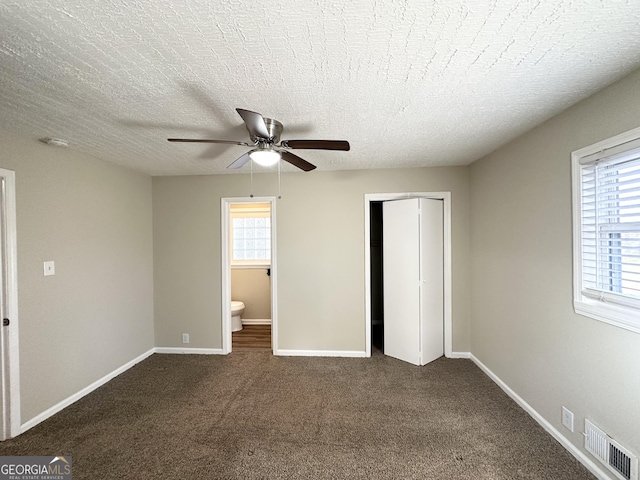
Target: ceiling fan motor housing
{"points": [[274, 128]]}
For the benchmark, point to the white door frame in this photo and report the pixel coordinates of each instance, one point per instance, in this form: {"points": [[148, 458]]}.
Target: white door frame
{"points": [[9, 355], [225, 217], [381, 197]]}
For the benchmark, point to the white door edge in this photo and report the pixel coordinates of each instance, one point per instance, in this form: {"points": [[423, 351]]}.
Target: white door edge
{"points": [[431, 213], [378, 197], [225, 222], [11, 398]]}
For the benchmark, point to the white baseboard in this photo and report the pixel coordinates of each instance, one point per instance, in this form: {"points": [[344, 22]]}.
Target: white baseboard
{"points": [[85, 391], [460, 355], [256, 321], [189, 351], [555, 433], [320, 353]]}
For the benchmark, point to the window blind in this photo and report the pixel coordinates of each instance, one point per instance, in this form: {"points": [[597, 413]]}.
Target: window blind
{"points": [[610, 232]]}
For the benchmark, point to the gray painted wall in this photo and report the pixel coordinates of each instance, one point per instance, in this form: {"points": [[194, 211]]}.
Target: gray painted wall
{"points": [[522, 323], [320, 253], [96, 313]]}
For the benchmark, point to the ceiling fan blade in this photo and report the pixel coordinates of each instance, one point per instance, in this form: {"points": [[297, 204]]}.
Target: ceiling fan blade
{"points": [[254, 122], [317, 144], [240, 161], [296, 161], [203, 140]]}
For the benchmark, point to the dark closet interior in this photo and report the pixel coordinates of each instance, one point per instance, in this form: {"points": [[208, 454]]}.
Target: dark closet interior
{"points": [[377, 277]]}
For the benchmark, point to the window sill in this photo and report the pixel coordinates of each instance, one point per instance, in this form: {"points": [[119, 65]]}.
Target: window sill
{"points": [[617, 315], [250, 265]]}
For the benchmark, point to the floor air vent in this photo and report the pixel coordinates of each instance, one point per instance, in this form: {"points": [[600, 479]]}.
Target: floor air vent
{"points": [[613, 455]]}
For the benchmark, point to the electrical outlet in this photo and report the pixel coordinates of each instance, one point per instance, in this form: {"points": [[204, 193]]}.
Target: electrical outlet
{"points": [[49, 268], [185, 338], [567, 418]]}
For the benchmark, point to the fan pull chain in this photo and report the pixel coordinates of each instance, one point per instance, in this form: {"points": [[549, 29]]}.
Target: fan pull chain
{"points": [[251, 170], [279, 189]]}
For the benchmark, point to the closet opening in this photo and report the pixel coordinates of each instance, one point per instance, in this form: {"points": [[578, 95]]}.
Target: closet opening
{"points": [[376, 276]]}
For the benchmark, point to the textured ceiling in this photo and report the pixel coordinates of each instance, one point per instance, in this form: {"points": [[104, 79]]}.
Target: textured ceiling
{"points": [[408, 83]]}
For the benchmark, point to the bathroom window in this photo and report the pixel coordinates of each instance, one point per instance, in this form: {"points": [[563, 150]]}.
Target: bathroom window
{"points": [[606, 210], [250, 235]]}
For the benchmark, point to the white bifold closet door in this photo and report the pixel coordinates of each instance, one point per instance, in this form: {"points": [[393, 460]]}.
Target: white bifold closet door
{"points": [[413, 250]]}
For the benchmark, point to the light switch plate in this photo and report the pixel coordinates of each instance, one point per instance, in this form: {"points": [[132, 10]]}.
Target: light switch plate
{"points": [[49, 268]]}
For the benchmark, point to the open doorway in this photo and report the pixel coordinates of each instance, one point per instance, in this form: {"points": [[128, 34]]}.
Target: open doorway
{"points": [[249, 274], [374, 266]]}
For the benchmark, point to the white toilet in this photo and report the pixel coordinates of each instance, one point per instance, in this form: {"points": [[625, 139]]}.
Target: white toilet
{"points": [[236, 315]]}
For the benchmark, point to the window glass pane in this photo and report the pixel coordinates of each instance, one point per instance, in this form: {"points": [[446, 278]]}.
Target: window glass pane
{"points": [[251, 238]]}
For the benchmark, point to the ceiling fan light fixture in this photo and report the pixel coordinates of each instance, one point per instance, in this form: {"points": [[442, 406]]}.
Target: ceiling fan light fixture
{"points": [[265, 157]]}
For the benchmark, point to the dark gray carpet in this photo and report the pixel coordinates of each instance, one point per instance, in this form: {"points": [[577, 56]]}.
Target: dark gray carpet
{"points": [[250, 415]]}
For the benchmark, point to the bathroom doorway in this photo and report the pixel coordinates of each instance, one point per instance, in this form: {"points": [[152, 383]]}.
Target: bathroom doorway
{"points": [[248, 274]]}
